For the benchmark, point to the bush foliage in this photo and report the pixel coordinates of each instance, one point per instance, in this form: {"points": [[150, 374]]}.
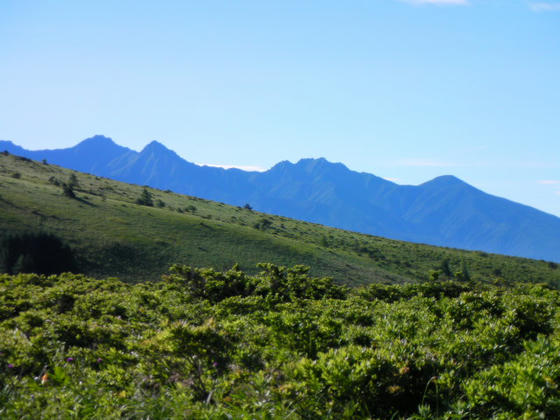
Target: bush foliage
{"points": [[280, 344]]}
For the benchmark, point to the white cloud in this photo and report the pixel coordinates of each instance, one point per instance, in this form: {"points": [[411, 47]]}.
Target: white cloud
{"points": [[543, 6], [395, 180], [549, 182], [242, 167], [554, 183], [439, 2], [531, 165]]}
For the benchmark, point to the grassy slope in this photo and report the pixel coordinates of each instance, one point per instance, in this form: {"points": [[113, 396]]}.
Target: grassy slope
{"points": [[114, 236]]}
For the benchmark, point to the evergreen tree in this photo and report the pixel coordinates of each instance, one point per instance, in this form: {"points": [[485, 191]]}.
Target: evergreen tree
{"points": [[464, 274], [68, 190], [445, 268], [145, 199], [73, 180], [465, 270]]}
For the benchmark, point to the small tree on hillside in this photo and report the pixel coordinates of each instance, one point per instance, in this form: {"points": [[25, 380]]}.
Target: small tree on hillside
{"points": [[73, 180], [145, 199], [465, 270], [68, 190], [68, 187], [464, 274], [445, 268], [263, 224]]}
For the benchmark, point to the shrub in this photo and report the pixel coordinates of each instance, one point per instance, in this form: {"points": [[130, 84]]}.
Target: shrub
{"points": [[73, 180], [68, 190], [210, 344], [145, 199], [263, 224]]}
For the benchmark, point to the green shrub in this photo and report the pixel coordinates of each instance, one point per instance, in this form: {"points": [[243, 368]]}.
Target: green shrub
{"points": [[279, 344], [145, 199]]}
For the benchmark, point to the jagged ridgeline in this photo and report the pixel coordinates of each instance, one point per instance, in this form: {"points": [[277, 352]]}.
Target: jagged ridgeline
{"points": [[445, 211], [136, 232]]}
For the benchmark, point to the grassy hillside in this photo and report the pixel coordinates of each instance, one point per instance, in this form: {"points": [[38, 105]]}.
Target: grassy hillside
{"points": [[114, 236]]}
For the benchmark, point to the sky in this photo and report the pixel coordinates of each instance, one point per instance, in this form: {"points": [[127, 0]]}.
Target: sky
{"points": [[406, 90]]}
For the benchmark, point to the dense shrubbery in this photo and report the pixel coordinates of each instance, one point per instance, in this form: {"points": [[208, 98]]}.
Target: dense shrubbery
{"points": [[276, 284], [208, 344]]}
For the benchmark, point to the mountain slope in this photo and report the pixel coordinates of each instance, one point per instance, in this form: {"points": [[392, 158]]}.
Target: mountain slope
{"points": [[114, 236], [445, 211], [93, 155]]}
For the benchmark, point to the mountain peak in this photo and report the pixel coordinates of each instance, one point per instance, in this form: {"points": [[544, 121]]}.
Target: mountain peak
{"points": [[9, 146], [158, 149], [97, 139], [155, 145], [312, 161], [312, 164], [7, 143], [446, 181]]}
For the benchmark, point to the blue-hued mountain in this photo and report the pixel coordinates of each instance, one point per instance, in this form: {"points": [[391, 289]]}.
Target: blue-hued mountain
{"points": [[444, 211]]}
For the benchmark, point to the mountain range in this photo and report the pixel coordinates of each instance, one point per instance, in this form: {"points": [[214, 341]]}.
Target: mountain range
{"points": [[444, 211]]}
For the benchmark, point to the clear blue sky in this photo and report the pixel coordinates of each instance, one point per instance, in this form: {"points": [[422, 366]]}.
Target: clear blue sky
{"points": [[407, 90]]}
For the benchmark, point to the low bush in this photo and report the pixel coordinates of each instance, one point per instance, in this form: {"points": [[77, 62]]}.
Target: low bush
{"points": [[280, 344]]}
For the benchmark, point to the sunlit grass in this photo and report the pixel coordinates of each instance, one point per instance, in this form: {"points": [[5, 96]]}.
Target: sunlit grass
{"points": [[114, 236]]}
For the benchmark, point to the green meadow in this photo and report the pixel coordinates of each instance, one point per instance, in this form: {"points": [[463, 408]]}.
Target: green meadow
{"points": [[112, 235]]}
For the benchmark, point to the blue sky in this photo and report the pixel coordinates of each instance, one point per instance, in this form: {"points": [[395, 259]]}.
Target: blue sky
{"points": [[407, 90]]}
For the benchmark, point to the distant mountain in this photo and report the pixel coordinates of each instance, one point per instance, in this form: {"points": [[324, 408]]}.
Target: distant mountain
{"points": [[444, 211], [93, 155]]}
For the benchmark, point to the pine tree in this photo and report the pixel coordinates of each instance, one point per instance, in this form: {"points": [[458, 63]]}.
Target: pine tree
{"points": [[145, 198], [68, 190], [445, 268]]}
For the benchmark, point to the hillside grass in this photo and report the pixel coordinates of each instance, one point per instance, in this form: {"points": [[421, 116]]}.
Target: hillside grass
{"points": [[114, 236]]}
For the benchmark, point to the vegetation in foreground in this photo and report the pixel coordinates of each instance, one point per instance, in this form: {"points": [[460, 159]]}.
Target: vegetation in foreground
{"points": [[278, 344], [135, 233]]}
